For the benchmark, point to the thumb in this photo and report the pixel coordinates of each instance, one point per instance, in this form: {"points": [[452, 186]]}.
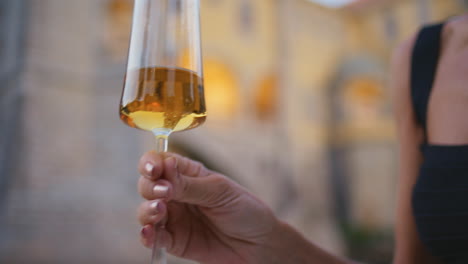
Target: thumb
{"points": [[211, 190]]}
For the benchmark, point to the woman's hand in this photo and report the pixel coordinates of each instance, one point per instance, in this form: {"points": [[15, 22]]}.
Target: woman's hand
{"points": [[208, 217], [211, 219]]}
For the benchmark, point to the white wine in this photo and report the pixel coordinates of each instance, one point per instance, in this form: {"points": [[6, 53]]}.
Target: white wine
{"points": [[163, 98]]}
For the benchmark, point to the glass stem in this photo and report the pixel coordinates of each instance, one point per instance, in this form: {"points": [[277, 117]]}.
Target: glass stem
{"points": [[159, 251], [162, 138], [161, 143]]}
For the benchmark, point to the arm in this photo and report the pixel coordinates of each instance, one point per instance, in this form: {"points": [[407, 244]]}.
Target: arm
{"points": [[213, 219], [289, 246], [409, 248]]}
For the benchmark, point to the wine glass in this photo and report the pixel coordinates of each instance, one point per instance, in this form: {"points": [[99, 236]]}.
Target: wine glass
{"points": [[163, 87]]}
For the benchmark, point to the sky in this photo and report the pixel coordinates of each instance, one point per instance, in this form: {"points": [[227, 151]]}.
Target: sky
{"points": [[332, 3]]}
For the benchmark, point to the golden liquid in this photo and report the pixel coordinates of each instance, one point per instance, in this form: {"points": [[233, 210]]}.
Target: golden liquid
{"points": [[163, 98]]}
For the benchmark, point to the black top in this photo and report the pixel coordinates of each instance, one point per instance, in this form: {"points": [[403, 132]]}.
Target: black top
{"points": [[440, 196], [426, 53]]}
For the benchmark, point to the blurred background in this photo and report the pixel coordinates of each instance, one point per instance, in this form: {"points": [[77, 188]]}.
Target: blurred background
{"points": [[298, 112]]}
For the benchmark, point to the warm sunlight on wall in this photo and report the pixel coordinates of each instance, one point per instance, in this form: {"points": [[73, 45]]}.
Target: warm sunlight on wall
{"points": [[221, 90], [266, 97]]}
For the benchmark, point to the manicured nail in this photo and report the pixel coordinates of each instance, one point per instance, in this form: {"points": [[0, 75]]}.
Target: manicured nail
{"points": [[160, 190], [155, 207], [149, 169], [145, 231]]}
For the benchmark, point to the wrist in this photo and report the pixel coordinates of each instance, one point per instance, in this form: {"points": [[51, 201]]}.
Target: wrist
{"points": [[286, 245]]}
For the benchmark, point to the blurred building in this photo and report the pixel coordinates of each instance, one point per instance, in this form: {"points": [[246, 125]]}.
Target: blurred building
{"points": [[298, 112], [11, 54]]}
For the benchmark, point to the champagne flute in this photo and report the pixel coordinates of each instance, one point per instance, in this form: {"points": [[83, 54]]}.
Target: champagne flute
{"points": [[163, 87]]}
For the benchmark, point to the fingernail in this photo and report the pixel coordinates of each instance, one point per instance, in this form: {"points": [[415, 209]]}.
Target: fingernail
{"points": [[149, 169], [145, 231], [155, 207], [172, 160], [160, 190]]}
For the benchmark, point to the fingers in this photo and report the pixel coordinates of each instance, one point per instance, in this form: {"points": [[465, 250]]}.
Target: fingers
{"points": [[148, 235], [210, 191], [190, 167], [151, 165], [169, 176], [152, 190], [152, 212]]}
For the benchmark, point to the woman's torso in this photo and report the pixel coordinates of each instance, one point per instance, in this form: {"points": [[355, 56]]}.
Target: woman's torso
{"points": [[440, 98]]}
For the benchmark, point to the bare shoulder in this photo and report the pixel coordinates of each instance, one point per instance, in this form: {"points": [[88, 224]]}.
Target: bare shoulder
{"points": [[454, 54], [456, 29], [458, 22]]}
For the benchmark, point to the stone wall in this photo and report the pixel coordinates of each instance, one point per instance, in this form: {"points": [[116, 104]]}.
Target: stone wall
{"points": [[72, 194]]}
